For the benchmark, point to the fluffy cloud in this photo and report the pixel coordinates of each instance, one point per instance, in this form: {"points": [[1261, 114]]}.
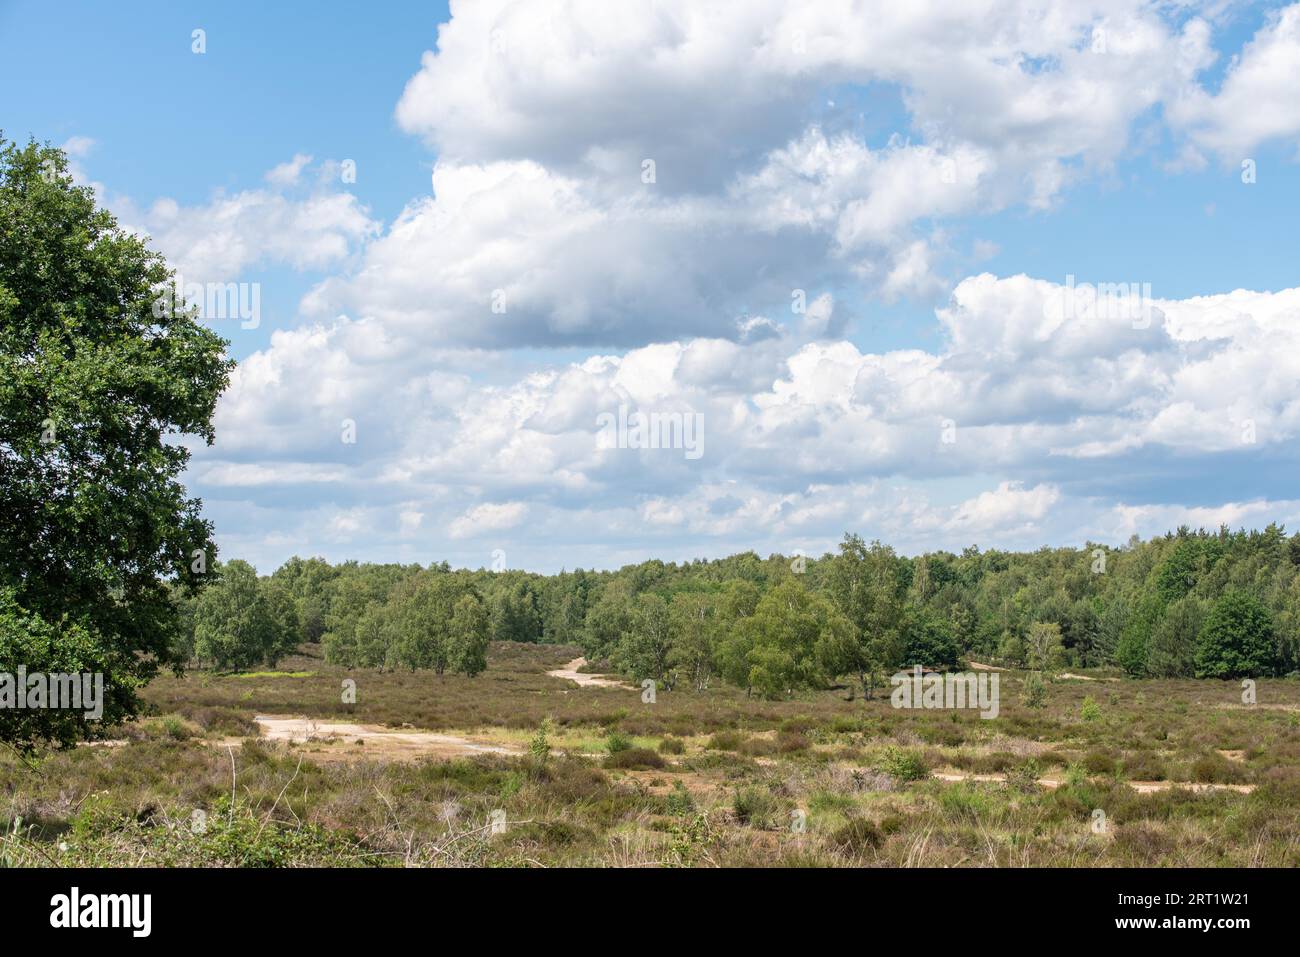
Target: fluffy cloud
{"points": [[1256, 102], [693, 202], [1030, 406], [488, 518], [607, 180], [313, 229]]}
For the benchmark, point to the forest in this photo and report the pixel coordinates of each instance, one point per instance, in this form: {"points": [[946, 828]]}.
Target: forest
{"points": [[1202, 604]]}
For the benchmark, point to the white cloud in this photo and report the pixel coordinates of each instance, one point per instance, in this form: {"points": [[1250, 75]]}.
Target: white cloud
{"points": [[542, 232], [489, 517], [288, 173], [1005, 508], [1025, 422], [1256, 102], [1035, 413], [232, 233]]}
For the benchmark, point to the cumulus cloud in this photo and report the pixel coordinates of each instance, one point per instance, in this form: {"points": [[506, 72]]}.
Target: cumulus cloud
{"points": [[800, 437], [232, 233], [674, 199], [1256, 101], [489, 517], [607, 180]]}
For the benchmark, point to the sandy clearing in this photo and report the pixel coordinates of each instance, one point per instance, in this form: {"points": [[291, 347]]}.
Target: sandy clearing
{"points": [[570, 672], [1142, 787], [979, 666], [342, 740], [1070, 676]]}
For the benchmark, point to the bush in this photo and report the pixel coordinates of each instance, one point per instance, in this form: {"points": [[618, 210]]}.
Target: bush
{"points": [[1090, 711], [679, 801], [756, 808], [1144, 766], [616, 742], [1025, 777], [671, 745], [1216, 769], [902, 764], [789, 741], [857, 836], [964, 801], [726, 741], [635, 759], [1035, 691], [1098, 762], [540, 747]]}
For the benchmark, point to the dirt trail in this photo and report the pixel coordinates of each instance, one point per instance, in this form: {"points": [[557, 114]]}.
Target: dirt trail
{"points": [[1073, 677], [570, 672], [341, 740], [1142, 787]]}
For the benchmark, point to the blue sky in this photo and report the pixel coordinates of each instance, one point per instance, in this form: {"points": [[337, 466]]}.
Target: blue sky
{"points": [[905, 170]]}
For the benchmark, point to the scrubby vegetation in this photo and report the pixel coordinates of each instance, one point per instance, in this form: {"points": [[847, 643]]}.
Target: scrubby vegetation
{"points": [[1183, 773]]}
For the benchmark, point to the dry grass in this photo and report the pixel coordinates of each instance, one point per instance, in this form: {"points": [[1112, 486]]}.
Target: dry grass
{"points": [[813, 781]]}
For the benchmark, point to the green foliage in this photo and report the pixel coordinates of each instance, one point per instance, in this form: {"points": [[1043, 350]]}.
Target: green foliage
{"points": [[1044, 648], [515, 616], [96, 393], [643, 650], [468, 636], [1133, 648], [241, 621], [784, 642], [1090, 710], [540, 746], [431, 619], [857, 836], [858, 614], [1237, 640], [635, 759], [928, 640], [902, 764], [679, 801], [1171, 652], [756, 807], [696, 627], [866, 585], [1035, 691], [1012, 650]]}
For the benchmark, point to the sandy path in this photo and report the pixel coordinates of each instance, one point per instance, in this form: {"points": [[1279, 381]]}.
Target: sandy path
{"points": [[570, 672], [1142, 787], [345, 740]]}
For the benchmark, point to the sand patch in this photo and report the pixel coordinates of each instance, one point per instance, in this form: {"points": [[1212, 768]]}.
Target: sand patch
{"points": [[570, 672], [342, 740]]}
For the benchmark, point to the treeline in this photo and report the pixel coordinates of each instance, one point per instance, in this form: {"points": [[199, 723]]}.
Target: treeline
{"points": [[1188, 604]]}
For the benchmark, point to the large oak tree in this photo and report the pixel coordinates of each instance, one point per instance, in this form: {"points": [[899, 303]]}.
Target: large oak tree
{"points": [[97, 394]]}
